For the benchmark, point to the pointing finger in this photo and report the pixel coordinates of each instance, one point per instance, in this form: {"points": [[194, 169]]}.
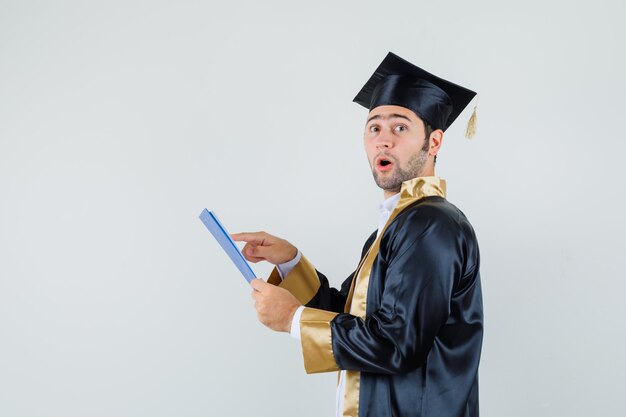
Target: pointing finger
{"points": [[255, 237]]}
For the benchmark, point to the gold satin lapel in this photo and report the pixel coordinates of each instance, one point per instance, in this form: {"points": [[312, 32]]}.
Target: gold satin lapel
{"points": [[351, 397], [356, 303], [351, 292]]}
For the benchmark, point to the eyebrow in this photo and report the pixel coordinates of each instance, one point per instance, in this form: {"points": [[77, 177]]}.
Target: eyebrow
{"points": [[391, 116]]}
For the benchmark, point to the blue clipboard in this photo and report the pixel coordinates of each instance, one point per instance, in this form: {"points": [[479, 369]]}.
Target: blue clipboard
{"points": [[223, 238]]}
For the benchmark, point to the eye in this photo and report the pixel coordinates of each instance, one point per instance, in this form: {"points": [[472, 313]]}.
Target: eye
{"points": [[399, 128], [373, 129]]}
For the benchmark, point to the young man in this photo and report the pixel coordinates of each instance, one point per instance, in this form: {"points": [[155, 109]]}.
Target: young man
{"points": [[405, 329]]}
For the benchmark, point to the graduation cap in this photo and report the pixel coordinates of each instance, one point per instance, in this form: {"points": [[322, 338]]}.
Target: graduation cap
{"points": [[436, 101]]}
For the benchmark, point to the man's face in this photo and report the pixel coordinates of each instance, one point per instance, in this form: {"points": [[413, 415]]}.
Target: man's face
{"points": [[396, 146]]}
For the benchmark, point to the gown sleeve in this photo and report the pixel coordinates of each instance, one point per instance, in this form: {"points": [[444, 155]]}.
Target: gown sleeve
{"points": [[424, 261], [312, 288]]}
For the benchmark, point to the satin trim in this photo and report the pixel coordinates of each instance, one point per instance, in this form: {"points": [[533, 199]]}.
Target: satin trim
{"points": [[301, 281], [410, 192], [317, 346]]}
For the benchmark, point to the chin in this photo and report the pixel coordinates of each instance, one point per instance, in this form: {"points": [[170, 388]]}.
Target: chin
{"points": [[391, 186]]}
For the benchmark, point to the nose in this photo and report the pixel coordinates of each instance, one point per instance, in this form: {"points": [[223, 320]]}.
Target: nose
{"points": [[384, 140]]}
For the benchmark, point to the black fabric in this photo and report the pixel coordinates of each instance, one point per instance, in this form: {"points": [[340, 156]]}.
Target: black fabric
{"points": [[331, 299], [419, 347], [398, 82]]}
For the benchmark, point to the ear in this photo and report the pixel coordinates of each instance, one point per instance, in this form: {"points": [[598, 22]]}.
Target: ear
{"points": [[436, 140]]}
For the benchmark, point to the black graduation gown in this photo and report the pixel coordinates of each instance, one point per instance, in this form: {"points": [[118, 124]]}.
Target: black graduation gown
{"points": [[419, 346]]}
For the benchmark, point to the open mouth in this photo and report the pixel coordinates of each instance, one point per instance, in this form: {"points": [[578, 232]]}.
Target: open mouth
{"points": [[383, 164]]}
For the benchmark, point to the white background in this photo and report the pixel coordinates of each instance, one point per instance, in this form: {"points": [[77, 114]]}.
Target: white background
{"points": [[121, 120]]}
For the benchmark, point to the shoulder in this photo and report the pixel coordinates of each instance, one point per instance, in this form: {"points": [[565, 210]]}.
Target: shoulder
{"points": [[428, 219], [432, 212]]}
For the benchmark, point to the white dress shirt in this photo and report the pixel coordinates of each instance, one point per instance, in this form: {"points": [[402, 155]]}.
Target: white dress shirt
{"points": [[384, 212]]}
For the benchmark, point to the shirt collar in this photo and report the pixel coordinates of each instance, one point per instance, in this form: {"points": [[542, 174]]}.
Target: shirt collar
{"points": [[389, 204]]}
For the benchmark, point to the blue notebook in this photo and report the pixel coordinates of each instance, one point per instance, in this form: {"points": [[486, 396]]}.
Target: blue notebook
{"points": [[223, 238]]}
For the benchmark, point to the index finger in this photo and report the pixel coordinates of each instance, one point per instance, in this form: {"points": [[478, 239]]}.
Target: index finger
{"points": [[254, 237]]}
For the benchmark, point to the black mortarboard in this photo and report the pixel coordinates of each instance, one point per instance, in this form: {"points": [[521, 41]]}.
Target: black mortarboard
{"points": [[398, 82]]}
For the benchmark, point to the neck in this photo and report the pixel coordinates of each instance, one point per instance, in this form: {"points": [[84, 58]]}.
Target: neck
{"points": [[390, 193]]}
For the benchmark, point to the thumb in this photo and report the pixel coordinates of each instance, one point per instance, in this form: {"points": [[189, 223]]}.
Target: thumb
{"points": [[258, 284], [259, 251]]}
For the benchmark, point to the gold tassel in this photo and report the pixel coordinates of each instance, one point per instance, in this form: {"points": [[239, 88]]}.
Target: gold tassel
{"points": [[470, 131]]}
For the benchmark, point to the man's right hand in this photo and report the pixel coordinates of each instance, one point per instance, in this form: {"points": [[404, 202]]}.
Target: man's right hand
{"points": [[261, 246]]}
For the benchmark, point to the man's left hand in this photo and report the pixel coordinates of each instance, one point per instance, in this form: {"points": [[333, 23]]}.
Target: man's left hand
{"points": [[275, 306]]}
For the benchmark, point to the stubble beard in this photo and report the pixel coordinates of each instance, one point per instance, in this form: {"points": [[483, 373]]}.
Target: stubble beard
{"points": [[415, 167]]}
